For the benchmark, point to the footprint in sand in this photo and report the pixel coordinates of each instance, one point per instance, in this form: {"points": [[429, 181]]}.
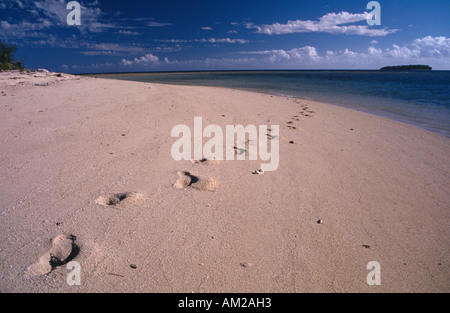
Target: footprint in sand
{"points": [[306, 111], [291, 124], [62, 251], [206, 161], [271, 137], [121, 200], [186, 179], [238, 150]]}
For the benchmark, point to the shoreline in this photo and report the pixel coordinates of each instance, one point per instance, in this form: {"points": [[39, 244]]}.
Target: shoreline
{"points": [[382, 107], [92, 158]]}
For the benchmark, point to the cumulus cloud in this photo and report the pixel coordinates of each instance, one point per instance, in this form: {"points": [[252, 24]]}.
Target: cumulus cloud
{"points": [[427, 50], [433, 46], [144, 60], [333, 23], [374, 51], [433, 41], [293, 55]]}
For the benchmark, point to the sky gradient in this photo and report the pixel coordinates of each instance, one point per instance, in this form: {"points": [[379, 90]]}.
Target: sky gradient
{"points": [[175, 35]]}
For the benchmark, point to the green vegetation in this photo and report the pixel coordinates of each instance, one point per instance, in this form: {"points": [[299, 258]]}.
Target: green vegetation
{"points": [[406, 68], [7, 61]]}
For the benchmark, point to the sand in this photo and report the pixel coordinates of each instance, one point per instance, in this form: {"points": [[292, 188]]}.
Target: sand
{"points": [[86, 175]]}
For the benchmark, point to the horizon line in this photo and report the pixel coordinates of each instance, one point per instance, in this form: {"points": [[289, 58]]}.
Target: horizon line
{"points": [[259, 70]]}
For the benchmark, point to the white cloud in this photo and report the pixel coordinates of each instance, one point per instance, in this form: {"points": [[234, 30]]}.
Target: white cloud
{"points": [[20, 4], [433, 46], [56, 11], [46, 14], [428, 50], [158, 24], [22, 29], [165, 48], [11, 4], [402, 53], [441, 41], [342, 18], [330, 23], [128, 33], [175, 40], [207, 28], [419, 51], [110, 49], [224, 40], [211, 63], [374, 51], [53, 9], [207, 40], [144, 60], [306, 53]]}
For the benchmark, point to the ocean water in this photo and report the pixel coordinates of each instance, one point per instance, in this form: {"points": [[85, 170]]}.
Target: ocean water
{"points": [[420, 98]]}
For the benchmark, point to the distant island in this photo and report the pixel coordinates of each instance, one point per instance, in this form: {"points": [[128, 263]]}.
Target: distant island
{"points": [[406, 68]]}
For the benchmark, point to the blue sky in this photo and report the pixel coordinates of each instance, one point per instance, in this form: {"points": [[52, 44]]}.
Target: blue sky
{"points": [[172, 35]]}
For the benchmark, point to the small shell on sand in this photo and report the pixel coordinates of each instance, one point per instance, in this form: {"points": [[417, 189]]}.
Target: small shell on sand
{"points": [[259, 172]]}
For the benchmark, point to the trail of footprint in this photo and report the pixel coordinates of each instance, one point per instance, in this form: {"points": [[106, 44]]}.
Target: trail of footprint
{"points": [[291, 127], [306, 111], [63, 250], [121, 200], [186, 179]]}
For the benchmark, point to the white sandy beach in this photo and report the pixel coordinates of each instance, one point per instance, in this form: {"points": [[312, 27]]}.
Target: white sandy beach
{"points": [[91, 158]]}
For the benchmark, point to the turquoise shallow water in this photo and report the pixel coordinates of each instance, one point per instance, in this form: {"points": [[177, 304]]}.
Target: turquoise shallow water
{"points": [[420, 98]]}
